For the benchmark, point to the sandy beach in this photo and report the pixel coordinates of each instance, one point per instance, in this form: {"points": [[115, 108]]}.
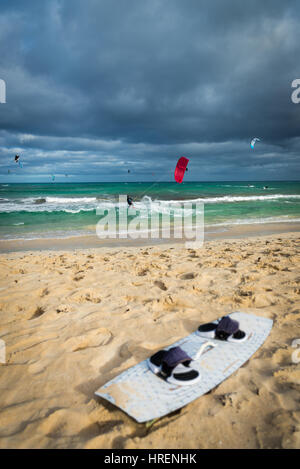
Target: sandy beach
{"points": [[149, 185], [73, 319]]}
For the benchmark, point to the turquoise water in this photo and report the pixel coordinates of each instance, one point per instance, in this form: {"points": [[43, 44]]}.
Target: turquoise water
{"points": [[60, 210]]}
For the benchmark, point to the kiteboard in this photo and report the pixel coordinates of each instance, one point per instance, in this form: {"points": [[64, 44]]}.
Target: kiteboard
{"points": [[180, 169], [145, 396]]}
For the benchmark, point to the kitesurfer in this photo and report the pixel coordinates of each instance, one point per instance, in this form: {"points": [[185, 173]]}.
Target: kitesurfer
{"points": [[129, 201]]}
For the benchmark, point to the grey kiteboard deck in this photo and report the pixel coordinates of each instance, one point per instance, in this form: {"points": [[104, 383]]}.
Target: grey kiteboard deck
{"points": [[145, 396]]}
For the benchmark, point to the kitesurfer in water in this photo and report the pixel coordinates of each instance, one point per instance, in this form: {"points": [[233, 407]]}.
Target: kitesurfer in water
{"points": [[17, 158], [129, 201]]}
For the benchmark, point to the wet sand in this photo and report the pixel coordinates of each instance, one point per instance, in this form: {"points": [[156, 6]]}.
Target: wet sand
{"points": [[92, 241]]}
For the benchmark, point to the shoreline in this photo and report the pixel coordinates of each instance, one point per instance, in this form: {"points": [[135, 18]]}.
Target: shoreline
{"points": [[92, 242]]}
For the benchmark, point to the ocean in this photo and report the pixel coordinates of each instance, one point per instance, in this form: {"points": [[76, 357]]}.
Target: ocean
{"points": [[58, 210]]}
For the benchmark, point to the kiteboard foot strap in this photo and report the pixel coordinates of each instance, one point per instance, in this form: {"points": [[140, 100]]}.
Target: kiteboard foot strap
{"points": [[226, 329], [174, 366]]}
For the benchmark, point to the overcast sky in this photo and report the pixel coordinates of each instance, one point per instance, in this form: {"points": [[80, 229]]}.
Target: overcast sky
{"points": [[97, 87]]}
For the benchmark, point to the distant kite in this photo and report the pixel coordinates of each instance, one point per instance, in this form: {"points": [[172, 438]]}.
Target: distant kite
{"points": [[253, 141], [17, 160], [180, 169]]}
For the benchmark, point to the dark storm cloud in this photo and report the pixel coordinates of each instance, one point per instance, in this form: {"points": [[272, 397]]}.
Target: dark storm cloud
{"points": [[112, 84]]}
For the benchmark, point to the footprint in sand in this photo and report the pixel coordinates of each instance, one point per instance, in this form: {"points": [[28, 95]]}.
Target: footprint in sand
{"points": [[78, 277], [188, 276], [143, 272], [59, 350], [94, 338], [160, 285], [61, 422], [38, 312], [84, 296], [227, 400], [63, 309]]}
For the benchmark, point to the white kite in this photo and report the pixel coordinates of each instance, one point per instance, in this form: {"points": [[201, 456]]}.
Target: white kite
{"points": [[253, 141]]}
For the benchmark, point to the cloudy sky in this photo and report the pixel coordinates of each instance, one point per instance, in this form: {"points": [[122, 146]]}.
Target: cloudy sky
{"points": [[97, 87]]}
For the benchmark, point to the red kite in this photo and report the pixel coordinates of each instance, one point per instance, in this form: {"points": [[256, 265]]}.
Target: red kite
{"points": [[180, 169]]}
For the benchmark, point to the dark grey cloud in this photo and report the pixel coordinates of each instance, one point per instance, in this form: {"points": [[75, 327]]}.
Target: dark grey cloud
{"points": [[112, 84]]}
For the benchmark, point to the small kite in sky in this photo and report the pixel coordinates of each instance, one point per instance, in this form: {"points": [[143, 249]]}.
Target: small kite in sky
{"points": [[17, 160], [253, 141]]}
